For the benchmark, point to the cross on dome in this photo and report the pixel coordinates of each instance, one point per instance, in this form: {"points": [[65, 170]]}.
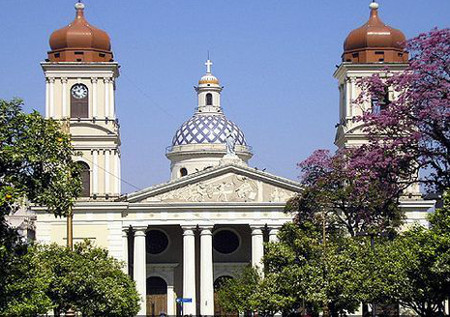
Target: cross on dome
{"points": [[208, 65]]}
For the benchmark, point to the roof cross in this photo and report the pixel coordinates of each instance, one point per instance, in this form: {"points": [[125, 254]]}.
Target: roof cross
{"points": [[208, 65]]}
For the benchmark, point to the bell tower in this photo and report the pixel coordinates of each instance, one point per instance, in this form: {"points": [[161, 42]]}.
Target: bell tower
{"points": [[368, 50], [80, 75]]}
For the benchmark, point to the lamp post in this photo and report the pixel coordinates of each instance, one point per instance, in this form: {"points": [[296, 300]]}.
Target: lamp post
{"points": [[326, 312], [66, 129], [69, 218], [372, 236]]}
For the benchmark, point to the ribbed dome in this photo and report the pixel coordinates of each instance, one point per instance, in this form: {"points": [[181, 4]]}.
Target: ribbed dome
{"points": [[208, 79], [204, 129], [80, 42], [375, 42]]}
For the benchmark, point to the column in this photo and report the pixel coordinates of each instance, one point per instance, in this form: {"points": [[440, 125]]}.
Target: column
{"points": [[348, 97], [64, 97], [139, 274], [257, 246], [95, 172], [111, 99], [189, 270], [170, 301], [353, 95], [94, 97], [206, 272], [273, 233], [106, 105], [47, 98], [125, 250], [107, 171], [51, 92], [116, 180]]}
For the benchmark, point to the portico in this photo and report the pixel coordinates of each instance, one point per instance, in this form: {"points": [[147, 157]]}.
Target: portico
{"points": [[202, 262]]}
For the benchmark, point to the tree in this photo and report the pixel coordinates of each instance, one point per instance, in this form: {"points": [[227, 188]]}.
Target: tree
{"points": [[298, 276], [352, 197], [416, 124], [35, 167], [24, 283], [88, 280], [413, 269], [234, 295]]}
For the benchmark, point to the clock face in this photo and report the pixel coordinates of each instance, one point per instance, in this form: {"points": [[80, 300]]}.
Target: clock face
{"points": [[79, 91]]}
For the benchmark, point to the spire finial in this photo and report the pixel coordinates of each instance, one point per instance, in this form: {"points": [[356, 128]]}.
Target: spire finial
{"points": [[79, 6], [208, 65], [374, 5]]}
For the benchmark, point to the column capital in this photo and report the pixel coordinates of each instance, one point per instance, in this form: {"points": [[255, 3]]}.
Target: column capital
{"points": [[206, 230], [256, 229], [140, 231], [188, 227], [64, 80], [94, 80], [274, 227]]}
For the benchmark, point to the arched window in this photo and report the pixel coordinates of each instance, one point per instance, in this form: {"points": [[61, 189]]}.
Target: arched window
{"points": [[85, 175], [220, 281], [79, 101], [156, 286], [209, 99], [183, 171]]}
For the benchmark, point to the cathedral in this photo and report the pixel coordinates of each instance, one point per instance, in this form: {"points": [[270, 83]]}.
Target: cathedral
{"points": [[180, 239]]}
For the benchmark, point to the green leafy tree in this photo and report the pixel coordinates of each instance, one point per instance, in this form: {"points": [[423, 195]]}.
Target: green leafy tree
{"points": [[299, 275], [88, 280], [234, 295], [24, 283], [35, 167], [413, 269]]}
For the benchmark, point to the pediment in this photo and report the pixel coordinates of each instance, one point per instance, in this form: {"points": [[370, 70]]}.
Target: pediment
{"points": [[222, 184]]}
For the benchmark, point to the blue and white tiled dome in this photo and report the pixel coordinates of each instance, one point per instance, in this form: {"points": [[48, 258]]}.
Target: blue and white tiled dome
{"points": [[210, 128]]}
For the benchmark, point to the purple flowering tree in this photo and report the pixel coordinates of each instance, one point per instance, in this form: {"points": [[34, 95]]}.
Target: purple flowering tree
{"points": [[352, 197], [415, 126]]}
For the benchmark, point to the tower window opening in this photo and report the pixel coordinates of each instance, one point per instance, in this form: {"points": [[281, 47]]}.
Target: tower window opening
{"points": [[101, 55], [79, 53], [380, 104], [79, 101], [57, 55], [85, 176], [183, 172], [209, 99]]}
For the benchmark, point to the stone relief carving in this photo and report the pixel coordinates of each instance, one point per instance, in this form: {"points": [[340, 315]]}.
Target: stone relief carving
{"points": [[236, 188], [279, 195]]}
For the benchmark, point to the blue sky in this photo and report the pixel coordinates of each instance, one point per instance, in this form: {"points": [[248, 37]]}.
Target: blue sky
{"points": [[275, 58]]}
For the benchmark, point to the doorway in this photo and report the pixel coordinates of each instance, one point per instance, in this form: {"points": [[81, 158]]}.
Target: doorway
{"points": [[156, 296]]}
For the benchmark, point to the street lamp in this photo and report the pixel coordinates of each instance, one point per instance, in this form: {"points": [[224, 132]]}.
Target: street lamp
{"points": [[372, 236], [66, 129]]}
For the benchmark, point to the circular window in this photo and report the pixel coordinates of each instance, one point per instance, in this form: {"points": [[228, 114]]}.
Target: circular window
{"points": [[156, 241], [225, 241]]}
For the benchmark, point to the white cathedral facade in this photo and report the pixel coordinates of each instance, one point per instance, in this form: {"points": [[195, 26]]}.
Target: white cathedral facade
{"points": [[180, 238]]}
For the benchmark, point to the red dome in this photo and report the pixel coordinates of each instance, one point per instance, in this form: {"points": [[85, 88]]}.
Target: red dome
{"points": [[80, 42], [375, 42]]}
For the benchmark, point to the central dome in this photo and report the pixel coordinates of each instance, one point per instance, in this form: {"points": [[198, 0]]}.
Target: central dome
{"points": [[207, 129]]}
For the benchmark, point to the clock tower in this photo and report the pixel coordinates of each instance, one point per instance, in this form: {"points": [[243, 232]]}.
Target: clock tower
{"points": [[80, 75]]}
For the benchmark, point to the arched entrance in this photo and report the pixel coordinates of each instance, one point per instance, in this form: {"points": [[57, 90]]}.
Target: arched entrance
{"points": [[156, 296], [218, 283]]}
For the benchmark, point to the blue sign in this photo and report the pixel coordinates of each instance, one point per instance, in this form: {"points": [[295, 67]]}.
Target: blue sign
{"points": [[184, 300]]}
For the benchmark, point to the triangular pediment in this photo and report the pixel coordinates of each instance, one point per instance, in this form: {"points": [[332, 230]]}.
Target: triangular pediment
{"points": [[229, 183]]}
